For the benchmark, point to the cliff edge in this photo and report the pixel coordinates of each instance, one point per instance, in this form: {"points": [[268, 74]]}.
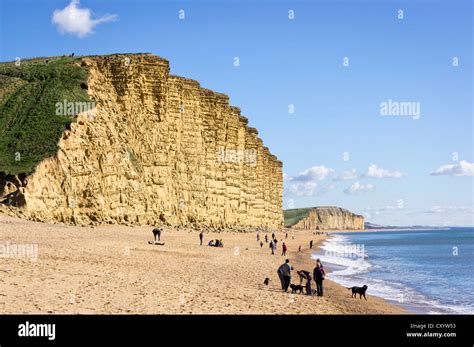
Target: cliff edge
{"points": [[323, 218], [155, 149]]}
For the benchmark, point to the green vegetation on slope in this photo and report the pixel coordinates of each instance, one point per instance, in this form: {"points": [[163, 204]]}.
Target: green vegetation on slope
{"points": [[30, 129], [295, 215]]}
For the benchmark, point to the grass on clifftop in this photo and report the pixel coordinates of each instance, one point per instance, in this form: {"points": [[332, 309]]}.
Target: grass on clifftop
{"points": [[295, 215], [30, 129]]}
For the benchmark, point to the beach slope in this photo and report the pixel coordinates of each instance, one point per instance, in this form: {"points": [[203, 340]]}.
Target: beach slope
{"points": [[113, 269]]}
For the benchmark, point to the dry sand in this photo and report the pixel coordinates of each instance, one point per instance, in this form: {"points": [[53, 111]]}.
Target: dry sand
{"points": [[112, 269]]}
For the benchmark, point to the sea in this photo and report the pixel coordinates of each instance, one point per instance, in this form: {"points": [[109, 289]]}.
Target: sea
{"points": [[427, 271]]}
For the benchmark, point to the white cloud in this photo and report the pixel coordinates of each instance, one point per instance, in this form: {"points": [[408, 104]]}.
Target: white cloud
{"points": [[303, 188], [358, 188], [315, 173], [347, 175], [377, 172], [464, 168], [309, 189], [78, 21], [305, 183]]}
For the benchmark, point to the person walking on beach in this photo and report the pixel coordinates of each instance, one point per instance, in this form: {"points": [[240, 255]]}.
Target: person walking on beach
{"points": [[284, 249], [272, 247], [266, 238], [311, 244], [286, 235], [318, 275], [285, 270], [201, 237], [261, 244], [273, 236], [258, 237]]}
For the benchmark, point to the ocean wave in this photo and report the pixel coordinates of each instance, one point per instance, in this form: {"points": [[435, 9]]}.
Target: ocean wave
{"points": [[349, 269], [338, 251]]}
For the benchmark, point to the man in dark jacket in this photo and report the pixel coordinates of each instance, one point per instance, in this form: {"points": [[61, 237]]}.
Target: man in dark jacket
{"points": [[285, 271], [318, 276]]}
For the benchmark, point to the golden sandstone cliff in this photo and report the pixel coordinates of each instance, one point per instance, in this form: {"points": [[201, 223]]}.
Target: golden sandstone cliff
{"points": [[157, 149], [325, 218]]}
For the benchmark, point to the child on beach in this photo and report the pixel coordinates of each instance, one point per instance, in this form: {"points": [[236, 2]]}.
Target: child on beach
{"points": [[308, 284]]}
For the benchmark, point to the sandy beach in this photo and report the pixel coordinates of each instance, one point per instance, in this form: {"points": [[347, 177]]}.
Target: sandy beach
{"points": [[112, 269]]}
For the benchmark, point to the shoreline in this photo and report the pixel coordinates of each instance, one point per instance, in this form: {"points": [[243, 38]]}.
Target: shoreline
{"points": [[340, 294], [332, 267], [424, 304], [112, 269]]}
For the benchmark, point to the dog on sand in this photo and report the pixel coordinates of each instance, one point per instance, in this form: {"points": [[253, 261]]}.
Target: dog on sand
{"points": [[296, 288], [358, 290]]}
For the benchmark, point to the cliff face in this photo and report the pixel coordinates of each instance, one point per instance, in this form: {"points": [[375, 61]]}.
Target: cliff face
{"points": [[325, 218], [157, 149]]}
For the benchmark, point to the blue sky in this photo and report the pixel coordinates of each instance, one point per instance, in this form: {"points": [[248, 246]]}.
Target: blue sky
{"points": [[421, 167]]}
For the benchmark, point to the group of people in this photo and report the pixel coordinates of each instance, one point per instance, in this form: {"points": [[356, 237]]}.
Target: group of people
{"points": [[216, 243], [273, 244], [213, 243], [284, 271], [284, 274]]}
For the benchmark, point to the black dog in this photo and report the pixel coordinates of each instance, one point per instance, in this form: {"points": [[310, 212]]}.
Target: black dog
{"points": [[358, 290], [296, 288], [267, 281]]}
